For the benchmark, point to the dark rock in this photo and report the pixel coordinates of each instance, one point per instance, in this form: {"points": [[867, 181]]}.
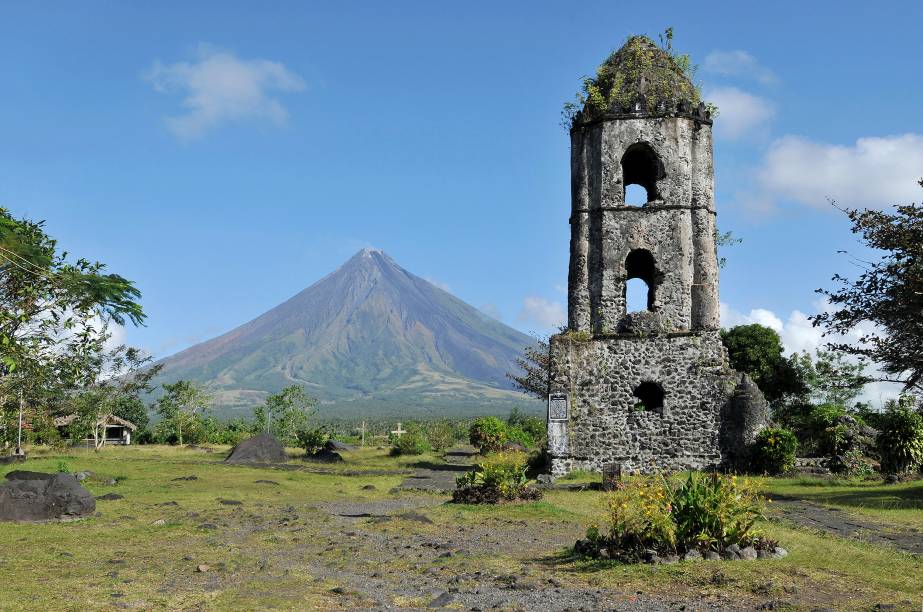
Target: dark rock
{"points": [[190, 477], [711, 555], [692, 555], [230, 502], [208, 526], [369, 488], [168, 503], [336, 445], [748, 553], [269, 482], [81, 476], [415, 516], [261, 448], [36, 496], [12, 459], [110, 497], [325, 455], [442, 601], [731, 552]]}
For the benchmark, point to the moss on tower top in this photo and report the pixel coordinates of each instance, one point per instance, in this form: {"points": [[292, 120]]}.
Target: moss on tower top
{"points": [[640, 71]]}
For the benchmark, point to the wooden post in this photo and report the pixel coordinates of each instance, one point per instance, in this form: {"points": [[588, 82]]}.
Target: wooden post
{"points": [[363, 433], [399, 432]]}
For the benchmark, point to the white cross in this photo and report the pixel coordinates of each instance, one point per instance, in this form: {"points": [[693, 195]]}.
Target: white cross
{"points": [[398, 432]]}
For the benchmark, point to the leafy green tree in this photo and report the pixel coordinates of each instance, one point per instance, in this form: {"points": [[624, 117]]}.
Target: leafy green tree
{"points": [[829, 378], [533, 367], [285, 413], [120, 377], [757, 350], [181, 407], [888, 294], [900, 439]]}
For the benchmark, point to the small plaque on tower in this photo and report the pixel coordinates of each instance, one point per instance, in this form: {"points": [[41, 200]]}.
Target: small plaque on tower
{"points": [[557, 407]]}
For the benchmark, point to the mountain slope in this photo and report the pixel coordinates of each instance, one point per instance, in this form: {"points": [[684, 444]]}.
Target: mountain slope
{"points": [[370, 338]]}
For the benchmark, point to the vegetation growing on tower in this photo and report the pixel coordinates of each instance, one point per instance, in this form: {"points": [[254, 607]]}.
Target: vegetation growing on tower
{"points": [[639, 68]]}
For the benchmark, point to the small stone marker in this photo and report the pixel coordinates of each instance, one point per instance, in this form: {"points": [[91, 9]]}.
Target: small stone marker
{"points": [[612, 475], [399, 432]]}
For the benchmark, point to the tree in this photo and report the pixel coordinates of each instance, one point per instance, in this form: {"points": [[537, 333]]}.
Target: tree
{"points": [[181, 405], [888, 294], [533, 369], [53, 317], [757, 350], [830, 378], [120, 378], [285, 413]]}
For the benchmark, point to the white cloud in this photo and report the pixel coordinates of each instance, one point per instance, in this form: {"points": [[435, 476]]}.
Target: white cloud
{"points": [[738, 64], [219, 87], [875, 172], [799, 335], [544, 312], [740, 113]]}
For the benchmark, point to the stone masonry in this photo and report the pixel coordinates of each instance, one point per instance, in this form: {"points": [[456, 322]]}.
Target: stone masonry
{"points": [[649, 390]]}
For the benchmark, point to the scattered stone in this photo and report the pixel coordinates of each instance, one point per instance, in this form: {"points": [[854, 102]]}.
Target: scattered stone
{"points": [[711, 555], [208, 526], [110, 482], [168, 503], [159, 522], [415, 516], [230, 502], [36, 496], [338, 590], [261, 448], [81, 476], [110, 497], [731, 552], [369, 487], [12, 459], [190, 477], [748, 553], [692, 555], [778, 552], [269, 482], [884, 606], [202, 568], [442, 601]]}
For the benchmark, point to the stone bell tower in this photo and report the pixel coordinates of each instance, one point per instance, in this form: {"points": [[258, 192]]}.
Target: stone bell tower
{"points": [[649, 389]]}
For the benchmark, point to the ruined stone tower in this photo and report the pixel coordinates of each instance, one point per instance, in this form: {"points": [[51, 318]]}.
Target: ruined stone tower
{"points": [[650, 389]]}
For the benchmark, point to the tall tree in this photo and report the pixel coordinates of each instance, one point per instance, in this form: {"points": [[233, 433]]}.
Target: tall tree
{"points": [[285, 413], [533, 369], [757, 350], [181, 404], [887, 294]]}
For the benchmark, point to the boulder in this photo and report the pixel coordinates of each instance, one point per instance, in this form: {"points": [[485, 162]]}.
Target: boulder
{"points": [[336, 445], [36, 496], [325, 455], [261, 448]]}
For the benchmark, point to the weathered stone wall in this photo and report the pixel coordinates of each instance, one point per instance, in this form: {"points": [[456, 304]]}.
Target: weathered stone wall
{"points": [[677, 226], [599, 376]]}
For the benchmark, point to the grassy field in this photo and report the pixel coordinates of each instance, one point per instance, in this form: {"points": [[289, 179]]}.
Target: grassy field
{"points": [[338, 537]]}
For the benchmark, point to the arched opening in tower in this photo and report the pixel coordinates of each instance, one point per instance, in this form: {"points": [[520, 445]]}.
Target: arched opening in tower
{"points": [[650, 397], [640, 273], [641, 169]]}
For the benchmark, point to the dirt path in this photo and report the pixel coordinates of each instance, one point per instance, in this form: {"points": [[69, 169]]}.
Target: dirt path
{"points": [[440, 477], [842, 524]]}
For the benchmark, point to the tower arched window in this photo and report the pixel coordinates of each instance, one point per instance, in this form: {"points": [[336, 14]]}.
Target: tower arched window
{"points": [[641, 169], [640, 275]]}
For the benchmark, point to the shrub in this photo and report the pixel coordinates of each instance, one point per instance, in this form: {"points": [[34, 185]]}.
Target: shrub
{"points": [[519, 436], [487, 434], [63, 467], [499, 477], [700, 512], [313, 439], [900, 440], [533, 426], [773, 451], [440, 435], [413, 442]]}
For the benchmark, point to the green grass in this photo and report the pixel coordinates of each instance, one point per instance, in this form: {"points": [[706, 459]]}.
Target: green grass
{"points": [[899, 504], [261, 557]]}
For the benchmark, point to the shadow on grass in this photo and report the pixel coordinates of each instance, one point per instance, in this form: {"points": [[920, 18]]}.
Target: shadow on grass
{"points": [[440, 467], [884, 497]]}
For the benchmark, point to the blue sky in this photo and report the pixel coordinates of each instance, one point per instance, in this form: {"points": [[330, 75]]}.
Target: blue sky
{"points": [[225, 156]]}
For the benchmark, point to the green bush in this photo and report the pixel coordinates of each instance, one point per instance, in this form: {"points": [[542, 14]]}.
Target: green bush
{"points": [[773, 451], [519, 436], [900, 440], [533, 426], [413, 442], [440, 435], [487, 434], [312, 439], [700, 512], [499, 477]]}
